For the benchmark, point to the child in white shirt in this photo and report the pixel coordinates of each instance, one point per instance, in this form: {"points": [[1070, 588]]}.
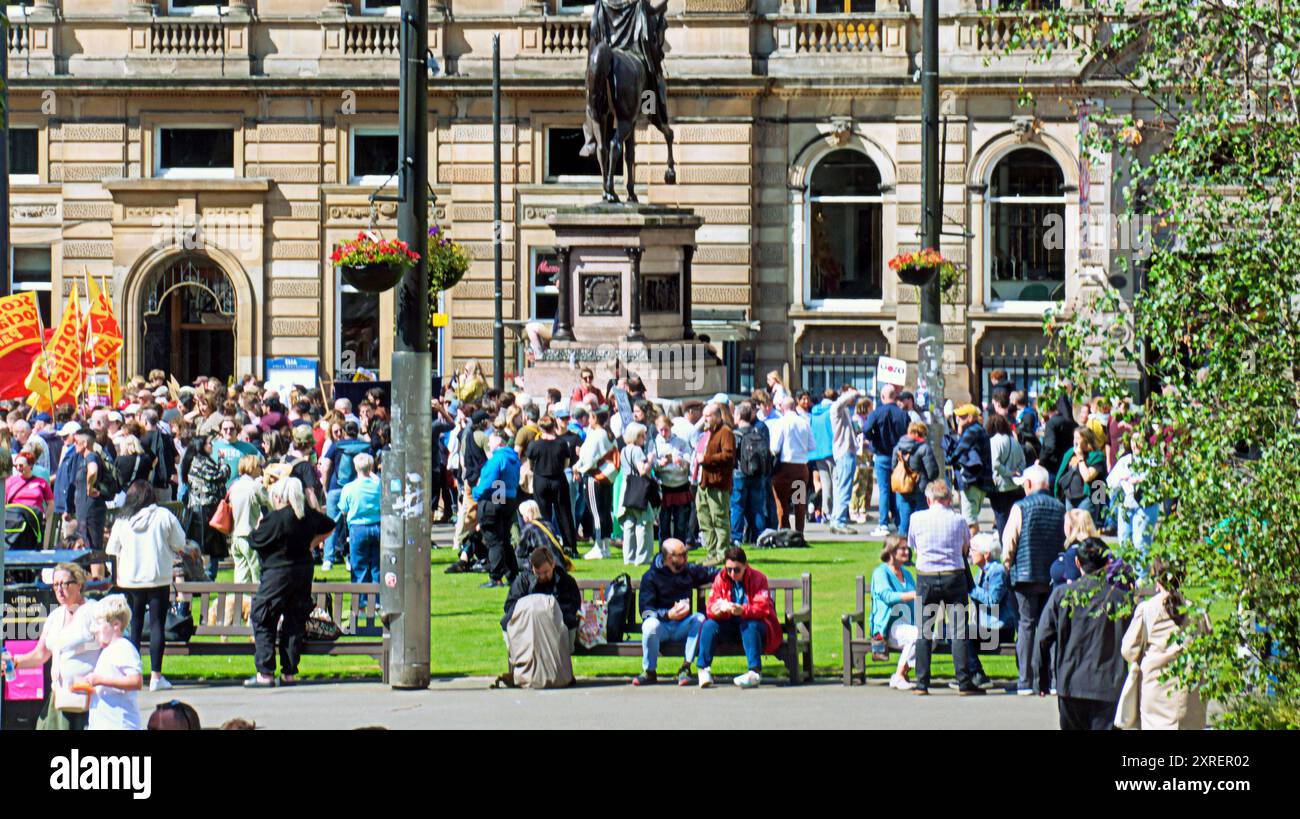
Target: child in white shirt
{"points": [[117, 676]]}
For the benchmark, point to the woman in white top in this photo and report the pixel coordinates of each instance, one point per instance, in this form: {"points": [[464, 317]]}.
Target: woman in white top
{"points": [[68, 643], [146, 538], [594, 460], [638, 524]]}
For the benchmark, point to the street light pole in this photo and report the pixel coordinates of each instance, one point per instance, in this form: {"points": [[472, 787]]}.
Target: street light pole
{"points": [[405, 532], [498, 320], [930, 332], [6, 276]]}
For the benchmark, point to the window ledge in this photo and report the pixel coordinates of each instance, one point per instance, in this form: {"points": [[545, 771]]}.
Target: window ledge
{"points": [[211, 184]]}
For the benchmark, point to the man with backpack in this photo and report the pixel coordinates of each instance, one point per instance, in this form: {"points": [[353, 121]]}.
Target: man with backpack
{"points": [[753, 468], [886, 425], [94, 483], [914, 466], [338, 471], [972, 461]]}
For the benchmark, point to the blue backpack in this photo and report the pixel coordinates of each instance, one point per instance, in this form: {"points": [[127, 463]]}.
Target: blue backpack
{"points": [[349, 449]]}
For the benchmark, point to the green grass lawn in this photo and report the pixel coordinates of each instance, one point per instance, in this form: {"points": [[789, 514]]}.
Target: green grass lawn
{"points": [[466, 632]]}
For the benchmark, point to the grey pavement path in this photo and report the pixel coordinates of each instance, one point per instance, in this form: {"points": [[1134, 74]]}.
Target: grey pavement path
{"points": [[468, 703]]}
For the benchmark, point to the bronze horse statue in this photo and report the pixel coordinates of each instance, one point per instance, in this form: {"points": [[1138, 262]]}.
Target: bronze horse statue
{"points": [[625, 82]]}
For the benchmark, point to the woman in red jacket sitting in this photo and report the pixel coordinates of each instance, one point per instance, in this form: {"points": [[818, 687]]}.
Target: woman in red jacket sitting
{"points": [[740, 608]]}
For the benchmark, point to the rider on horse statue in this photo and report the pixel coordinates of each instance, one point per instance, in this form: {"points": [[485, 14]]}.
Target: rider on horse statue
{"points": [[625, 82]]}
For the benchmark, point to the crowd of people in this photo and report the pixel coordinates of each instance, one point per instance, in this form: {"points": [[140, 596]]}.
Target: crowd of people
{"points": [[148, 481], [526, 478]]}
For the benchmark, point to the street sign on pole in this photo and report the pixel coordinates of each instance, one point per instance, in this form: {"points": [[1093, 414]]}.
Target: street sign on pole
{"points": [[405, 531]]}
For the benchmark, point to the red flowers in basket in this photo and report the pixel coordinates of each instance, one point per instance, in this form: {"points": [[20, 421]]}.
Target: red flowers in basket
{"points": [[921, 259], [368, 249]]}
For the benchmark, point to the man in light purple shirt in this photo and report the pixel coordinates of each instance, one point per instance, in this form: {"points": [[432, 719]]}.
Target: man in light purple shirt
{"points": [[940, 540]]}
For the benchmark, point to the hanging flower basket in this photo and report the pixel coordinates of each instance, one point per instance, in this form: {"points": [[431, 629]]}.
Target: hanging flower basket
{"points": [[448, 261], [373, 265], [920, 268]]}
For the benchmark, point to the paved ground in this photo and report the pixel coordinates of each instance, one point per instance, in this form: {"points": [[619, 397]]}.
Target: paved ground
{"points": [[468, 703]]}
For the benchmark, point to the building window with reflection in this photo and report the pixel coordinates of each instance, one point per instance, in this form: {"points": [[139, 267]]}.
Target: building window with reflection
{"points": [[844, 223], [1027, 226], [358, 330]]}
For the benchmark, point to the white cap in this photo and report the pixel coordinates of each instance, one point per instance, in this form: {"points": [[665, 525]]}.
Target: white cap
{"points": [[70, 428], [115, 416], [720, 398]]}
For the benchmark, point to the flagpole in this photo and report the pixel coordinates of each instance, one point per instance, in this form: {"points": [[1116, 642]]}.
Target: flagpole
{"points": [[45, 361]]}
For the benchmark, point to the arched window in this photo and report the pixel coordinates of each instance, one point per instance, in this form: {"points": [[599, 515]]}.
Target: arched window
{"points": [[1027, 223], [845, 245]]}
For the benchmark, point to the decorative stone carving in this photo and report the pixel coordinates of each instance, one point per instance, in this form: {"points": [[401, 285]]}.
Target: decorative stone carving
{"points": [[660, 294], [602, 295], [45, 211]]}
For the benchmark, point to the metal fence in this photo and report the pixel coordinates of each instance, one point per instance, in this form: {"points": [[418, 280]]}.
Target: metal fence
{"points": [[1022, 362], [830, 365]]}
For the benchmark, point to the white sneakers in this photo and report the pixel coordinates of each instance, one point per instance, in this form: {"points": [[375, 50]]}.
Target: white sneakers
{"points": [[880, 531], [159, 684], [901, 683], [597, 553], [750, 679], [326, 566], [706, 678]]}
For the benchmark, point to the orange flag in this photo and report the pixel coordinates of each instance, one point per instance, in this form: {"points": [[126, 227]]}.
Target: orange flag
{"points": [[103, 333], [56, 376]]}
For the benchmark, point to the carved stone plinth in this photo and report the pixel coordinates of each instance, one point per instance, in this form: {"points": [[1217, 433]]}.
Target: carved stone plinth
{"points": [[625, 296]]}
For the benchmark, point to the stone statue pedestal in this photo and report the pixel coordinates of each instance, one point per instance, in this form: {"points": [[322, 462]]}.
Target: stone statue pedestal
{"points": [[625, 298]]}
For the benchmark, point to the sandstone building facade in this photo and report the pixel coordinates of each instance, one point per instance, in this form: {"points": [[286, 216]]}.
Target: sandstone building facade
{"points": [[204, 157]]}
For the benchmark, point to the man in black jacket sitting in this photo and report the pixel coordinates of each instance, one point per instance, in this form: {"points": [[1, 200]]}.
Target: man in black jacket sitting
{"points": [[667, 589], [542, 576], [1082, 629]]}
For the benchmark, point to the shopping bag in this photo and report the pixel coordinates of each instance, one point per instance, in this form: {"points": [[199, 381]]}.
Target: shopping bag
{"points": [[595, 621]]}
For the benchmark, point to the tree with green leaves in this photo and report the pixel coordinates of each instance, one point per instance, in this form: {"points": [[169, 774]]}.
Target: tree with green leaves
{"points": [[1200, 114]]}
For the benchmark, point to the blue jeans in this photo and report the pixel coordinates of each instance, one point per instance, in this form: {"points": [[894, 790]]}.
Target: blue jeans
{"points": [[748, 509], [364, 540], [332, 510], [655, 631], [843, 474], [888, 505], [1137, 526], [751, 634], [908, 505]]}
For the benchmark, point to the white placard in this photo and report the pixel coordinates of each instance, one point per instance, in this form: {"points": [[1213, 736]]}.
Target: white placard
{"points": [[891, 371]]}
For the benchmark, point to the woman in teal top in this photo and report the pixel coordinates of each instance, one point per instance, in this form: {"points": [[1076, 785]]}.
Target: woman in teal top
{"points": [[893, 596]]}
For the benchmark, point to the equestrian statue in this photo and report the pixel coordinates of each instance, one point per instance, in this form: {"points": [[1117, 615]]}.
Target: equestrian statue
{"points": [[625, 81]]}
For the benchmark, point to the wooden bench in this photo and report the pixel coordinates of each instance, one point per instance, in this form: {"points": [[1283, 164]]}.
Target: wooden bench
{"points": [[329, 596], [857, 642], [793, 599]]}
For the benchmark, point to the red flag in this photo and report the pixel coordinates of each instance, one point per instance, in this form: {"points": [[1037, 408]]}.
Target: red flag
{"points": [[20, 342]]}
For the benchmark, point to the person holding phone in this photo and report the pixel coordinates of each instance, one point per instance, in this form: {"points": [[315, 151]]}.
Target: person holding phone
{"points": [[667, 588]]}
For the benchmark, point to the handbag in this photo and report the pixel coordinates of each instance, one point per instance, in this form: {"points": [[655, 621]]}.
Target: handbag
{"points": [[879, 648], [71, 702], [1128, 714], [223, 519], [595, 622], [178, 625], [320, 627], [640, 492]]}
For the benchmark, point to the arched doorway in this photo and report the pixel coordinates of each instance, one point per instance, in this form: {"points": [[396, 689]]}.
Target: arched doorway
{"points": [[188, 320]]}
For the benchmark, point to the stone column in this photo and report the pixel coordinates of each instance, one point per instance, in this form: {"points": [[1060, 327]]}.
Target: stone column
{"points": [[634, 294], [564, 327], [688, 253], [241, 5]]}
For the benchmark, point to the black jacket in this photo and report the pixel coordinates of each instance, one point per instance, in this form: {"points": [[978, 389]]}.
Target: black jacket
{"points": [[562, 587], [972, 459], [534, 537], [162, 447], [920, 459], [1058, 435], [1082, 630], [661, 589]]}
